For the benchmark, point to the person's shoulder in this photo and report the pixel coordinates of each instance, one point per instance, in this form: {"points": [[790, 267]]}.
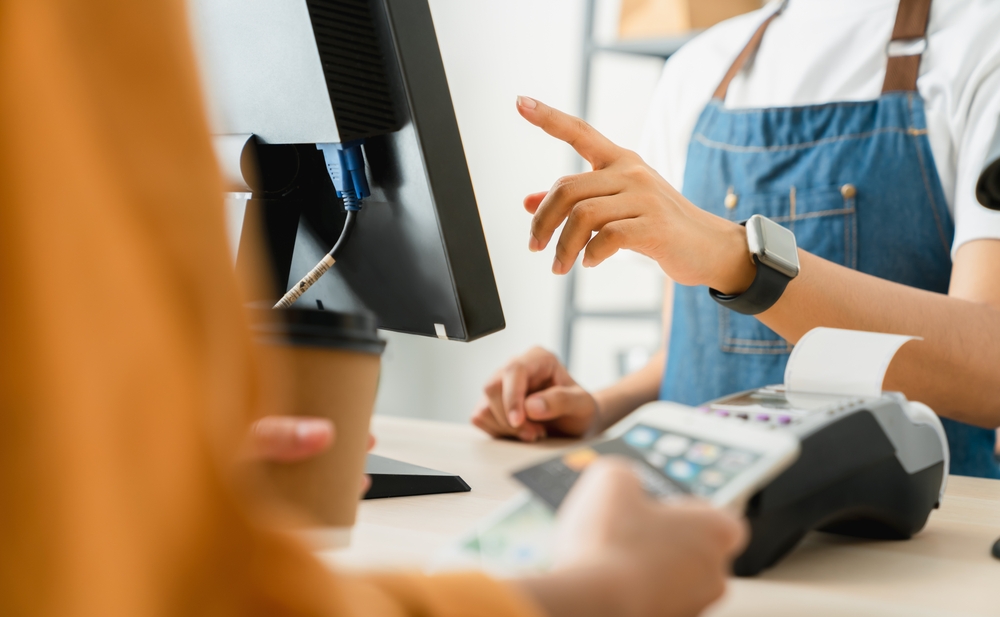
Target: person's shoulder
{"points": [[963, 49], [691, 75], [968, 15], [686, 85], [966, 26], [718, 45]]}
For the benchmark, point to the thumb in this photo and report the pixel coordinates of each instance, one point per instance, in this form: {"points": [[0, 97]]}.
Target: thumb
{"points": [[557, 402], [608, 486], [615, 477]]}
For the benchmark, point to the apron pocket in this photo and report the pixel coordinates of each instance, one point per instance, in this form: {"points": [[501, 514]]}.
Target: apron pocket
{"points": [[824, 221]]}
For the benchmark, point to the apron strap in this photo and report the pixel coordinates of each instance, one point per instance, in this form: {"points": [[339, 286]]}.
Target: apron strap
{"points": [[751, 47], [909, 40]]}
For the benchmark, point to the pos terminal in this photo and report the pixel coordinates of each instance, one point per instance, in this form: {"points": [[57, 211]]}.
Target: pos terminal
{"points": [[868, 467], [827, 450]]}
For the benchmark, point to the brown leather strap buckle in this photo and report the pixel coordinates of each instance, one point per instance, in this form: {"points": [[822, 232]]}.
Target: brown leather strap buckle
{"points": [[906, 47]]}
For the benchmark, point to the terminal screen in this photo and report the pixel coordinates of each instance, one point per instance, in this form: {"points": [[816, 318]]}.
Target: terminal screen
{"points": [[701, 466], [776, 400]]}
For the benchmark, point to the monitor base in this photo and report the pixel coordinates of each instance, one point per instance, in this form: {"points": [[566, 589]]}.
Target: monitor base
{"points": [[392, 478]]}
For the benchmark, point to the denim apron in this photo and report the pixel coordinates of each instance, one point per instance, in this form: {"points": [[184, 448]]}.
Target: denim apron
{"points": [[856, 183]]}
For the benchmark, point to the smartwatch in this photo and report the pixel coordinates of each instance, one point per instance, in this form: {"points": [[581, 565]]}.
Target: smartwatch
{"points": [[773, 250]]}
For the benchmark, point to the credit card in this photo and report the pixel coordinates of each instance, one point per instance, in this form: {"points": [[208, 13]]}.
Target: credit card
{"points": [[552, 480]]}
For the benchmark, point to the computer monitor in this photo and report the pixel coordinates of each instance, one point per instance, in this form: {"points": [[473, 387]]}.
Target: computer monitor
{"points": [[285, 75], [289, 80]]}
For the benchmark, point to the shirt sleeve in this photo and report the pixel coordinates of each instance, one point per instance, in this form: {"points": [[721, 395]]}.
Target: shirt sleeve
{"points": [[973, 221], [971, 57]]}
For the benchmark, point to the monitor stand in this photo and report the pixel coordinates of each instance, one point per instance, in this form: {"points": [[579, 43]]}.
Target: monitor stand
{"points": [[392, 478]]}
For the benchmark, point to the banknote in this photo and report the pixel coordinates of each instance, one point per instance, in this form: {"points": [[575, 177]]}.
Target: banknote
{"points": [[517, 540]]}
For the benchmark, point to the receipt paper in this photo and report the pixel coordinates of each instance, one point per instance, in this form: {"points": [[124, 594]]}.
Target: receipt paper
{"points": [[844, 362]]}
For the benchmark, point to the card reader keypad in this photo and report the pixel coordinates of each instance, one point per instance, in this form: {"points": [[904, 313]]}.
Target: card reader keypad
{"points": [[700, 466], [774, 408]]}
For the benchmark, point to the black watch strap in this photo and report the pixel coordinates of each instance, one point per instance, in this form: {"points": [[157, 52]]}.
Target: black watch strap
{"points": [[766, 289]]}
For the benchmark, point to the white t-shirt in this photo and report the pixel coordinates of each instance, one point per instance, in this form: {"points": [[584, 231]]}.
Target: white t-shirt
{"points": [[821, 51]]}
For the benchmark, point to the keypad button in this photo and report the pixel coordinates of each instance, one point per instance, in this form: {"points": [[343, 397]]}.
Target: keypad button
{"points": [[672, 445], [703, 453], [682, 470], [641, 437]]}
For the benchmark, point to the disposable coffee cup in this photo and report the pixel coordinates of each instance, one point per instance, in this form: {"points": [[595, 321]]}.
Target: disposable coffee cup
{"points": [[333, 362]]}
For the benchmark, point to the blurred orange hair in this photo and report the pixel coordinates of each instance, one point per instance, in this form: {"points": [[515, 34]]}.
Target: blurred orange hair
{"points": [[127, 377]]}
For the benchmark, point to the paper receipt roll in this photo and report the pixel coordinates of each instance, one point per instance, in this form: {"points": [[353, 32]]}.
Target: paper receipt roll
{"points": [[846, 362]]}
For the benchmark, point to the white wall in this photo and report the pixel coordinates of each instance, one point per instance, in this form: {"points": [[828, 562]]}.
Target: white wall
{"points": [[492, 52]]}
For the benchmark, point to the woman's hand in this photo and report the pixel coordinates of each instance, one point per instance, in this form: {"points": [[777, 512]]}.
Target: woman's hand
{"points": [[532, 397], [286, 439], [621, 553], [631, 207]]}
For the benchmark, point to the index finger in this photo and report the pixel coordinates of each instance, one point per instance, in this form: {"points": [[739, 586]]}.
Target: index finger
{"points": [[590, 144]]}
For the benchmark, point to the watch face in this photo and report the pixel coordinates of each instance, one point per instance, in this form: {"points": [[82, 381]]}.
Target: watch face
{"points": [[773, 245]]}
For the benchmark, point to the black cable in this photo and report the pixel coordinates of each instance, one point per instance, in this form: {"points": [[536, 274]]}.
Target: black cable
{"points": [[345, 233]]}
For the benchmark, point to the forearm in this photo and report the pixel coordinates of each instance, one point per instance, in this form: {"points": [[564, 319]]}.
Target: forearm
{"points": [[617, 401], [955, 369], [583, 592], [443, 595]]}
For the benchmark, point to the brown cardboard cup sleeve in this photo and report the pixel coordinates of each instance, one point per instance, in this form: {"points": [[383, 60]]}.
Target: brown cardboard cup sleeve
{"points": [[332, 362]]}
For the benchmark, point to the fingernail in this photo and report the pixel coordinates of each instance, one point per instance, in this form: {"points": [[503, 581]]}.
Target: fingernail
{"points": [[514, 418], [557, 267], [306, 430], [527, 435], [534, 244], [527, 103], [535, 405]]}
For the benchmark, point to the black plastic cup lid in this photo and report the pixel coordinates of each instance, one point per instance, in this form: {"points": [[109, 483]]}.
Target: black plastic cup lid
{"points": [[316, 328]]}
